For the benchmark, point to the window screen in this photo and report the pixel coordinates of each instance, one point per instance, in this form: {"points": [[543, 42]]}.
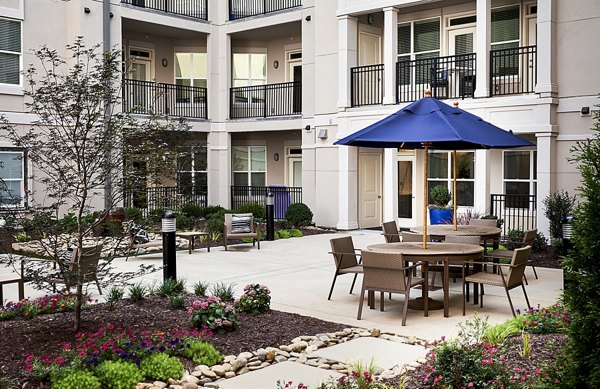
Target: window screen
{"points": [[10, 52]]}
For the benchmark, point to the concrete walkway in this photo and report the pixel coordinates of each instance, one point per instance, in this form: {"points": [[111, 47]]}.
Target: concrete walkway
{"points": [[299, 272]]}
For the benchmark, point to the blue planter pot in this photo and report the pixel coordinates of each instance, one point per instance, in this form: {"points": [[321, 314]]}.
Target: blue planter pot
{"points": [[441, 216]]}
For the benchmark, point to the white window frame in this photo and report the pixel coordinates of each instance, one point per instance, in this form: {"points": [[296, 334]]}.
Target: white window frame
{"points": [[23, 156], [249, 171], [532, 180], [518, 40], [191, 150], [449, 180], [249, 81], [412, 53], [15, 89], [190, 78]]}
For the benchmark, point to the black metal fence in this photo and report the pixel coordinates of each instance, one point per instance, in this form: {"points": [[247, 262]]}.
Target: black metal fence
{"points": [[284, 196], [519, 212], [513, 71], [366, 85], [145, 97], [239, 9], [448, 77], [193, 8], [281, 99], [167, 197]]}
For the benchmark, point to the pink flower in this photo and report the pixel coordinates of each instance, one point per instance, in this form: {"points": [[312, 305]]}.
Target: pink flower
{"points": [[29, 367], [29, 358], [59, 360]]}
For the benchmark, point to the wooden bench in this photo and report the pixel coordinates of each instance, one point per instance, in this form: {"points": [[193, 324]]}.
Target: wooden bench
{"points": [[13, 279]]}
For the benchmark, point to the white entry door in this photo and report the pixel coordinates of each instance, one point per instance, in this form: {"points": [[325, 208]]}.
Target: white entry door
{"points": [[406, 191], [295, 172], [369, 190]]}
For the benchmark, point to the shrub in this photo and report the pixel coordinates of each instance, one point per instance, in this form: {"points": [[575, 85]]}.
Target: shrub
{"points": [[440, 196], [212, 210], [200, 288], [28, 309], [155, 216], [255, 300], [185, 222], [515, 237], [284, 234], [214, 224], [76, 379], [135, 215], [192, 210], [223, 291], [137, 292], [68, 223], [558, 205], [294, 233], [114, 295], [119, 375], [550, 320], [496, 335], [161, 367], [257, 210], [299, 215], [177, 302], [214, 314], [202, 353], [171, 287]]}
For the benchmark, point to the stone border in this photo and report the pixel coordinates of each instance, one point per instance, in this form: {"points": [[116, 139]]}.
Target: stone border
{"points": [[298, 351]]}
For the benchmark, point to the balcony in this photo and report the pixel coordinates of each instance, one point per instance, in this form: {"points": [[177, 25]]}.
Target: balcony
{"points": [[239, 9], [448, 77], [146, 98], [513, 71], [283, 196], [197, 9], [262, 101], [366, 85]]}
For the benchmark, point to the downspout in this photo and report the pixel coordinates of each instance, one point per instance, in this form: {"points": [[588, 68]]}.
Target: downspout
{"points": [[106, 48]]}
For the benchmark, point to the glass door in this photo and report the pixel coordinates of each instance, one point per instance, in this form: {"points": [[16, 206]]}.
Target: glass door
{"points": [[406, 195]]}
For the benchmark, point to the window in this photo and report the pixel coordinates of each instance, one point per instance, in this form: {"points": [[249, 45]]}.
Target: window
{"points": [[12, 173], [520, 177], [10, 52], [191, 70], [249, 69], [249, 165], [505, 35], [440, 173], [191, 170], [418, 41]]}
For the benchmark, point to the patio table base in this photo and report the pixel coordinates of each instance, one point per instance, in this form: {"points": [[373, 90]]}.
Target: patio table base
{"points": [[419, 304]]}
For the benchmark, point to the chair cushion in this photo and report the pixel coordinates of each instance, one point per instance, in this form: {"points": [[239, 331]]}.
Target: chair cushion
{"points": [[241, 224]]}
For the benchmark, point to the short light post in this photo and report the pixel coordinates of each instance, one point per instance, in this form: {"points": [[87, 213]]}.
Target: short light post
{"points": [[270, 213], [567, 233], [169, 227]]}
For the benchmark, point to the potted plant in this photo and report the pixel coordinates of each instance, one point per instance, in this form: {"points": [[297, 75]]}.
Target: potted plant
{"points": [[439, 210]]}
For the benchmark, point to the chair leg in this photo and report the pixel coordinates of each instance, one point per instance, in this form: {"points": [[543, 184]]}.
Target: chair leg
{"points": [[481, 295], [353, 281], [258, 243], [98, 285], [526, 298], [360, 303], [534, 272], [332, 285], [510, 302], [381, 300], [464, 296], [405, 306], [433, 279], [525, 279]]}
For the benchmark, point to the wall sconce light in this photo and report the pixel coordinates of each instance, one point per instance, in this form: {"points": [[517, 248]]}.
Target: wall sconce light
{"points": [[322, 133], [585, 111], [370, 18], [307, 128], [276, 156], [111, 14], [308, 18], [86, 10], [276, 64], [164, 62]]}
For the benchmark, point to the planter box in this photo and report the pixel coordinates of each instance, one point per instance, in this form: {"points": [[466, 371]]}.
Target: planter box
{"points": [[441, 216]]}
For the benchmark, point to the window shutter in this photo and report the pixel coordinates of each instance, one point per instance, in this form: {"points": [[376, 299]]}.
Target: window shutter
{"points": [[427, 35], [505, 24]]}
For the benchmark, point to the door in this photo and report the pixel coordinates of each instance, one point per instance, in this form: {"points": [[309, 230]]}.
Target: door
{"points": [[369, 189], [461, 41], [531, 81], [368, 88], [406, 195], [296, 73], [369, 49], [140, 92], [295, 172]]}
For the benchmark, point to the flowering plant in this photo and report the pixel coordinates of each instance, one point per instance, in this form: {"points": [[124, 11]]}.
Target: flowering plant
{"points": [[356, 380], [256, 299], [40, 368], [214, 314], [28, 309], [545, 320]]}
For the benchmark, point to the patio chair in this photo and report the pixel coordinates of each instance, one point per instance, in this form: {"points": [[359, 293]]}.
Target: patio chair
{"points": [[239, 226], [346, 260], [508, 279], [86, 267], [412, 237], [528, 240], [385, 272], [390, 232], [453, 269], [484, 223]]}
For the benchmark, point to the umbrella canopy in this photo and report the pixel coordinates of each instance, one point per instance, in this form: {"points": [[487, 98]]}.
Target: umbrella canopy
{"points": [[430, 123]]}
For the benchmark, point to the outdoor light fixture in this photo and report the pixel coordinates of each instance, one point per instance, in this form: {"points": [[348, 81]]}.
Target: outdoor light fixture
{"points": [[276, 64], [322, 133], [164, 62], [307, 128], [585, 111], [86, 10], [276, 156], [370, 18], [307, 18]]}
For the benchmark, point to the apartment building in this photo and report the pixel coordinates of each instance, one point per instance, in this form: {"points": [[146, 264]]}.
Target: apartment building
{"points": [[268, 86]]}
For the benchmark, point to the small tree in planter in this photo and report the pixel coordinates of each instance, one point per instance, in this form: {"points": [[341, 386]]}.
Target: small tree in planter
{"points": [[439, 209]]}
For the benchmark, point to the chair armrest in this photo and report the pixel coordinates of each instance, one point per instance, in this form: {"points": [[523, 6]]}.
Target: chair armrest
{"points": [[337, 252]]}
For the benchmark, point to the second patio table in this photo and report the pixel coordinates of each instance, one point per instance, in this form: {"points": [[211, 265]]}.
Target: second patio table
{"points": [[442, 230], [445, 252]]}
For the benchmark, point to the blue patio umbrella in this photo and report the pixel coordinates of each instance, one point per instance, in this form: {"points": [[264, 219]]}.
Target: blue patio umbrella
{"points": [[429, 123]]}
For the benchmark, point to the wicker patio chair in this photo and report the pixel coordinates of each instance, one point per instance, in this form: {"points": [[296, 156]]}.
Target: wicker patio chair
{"points": [[453, 269], [528, 240], [412, 237], [346, 259], [238, 226], [385, 272], [86, 266], [509, 276], [390, 232]]}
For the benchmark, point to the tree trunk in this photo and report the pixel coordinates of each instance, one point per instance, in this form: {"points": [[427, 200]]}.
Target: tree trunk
{"points": [[78, 304]]}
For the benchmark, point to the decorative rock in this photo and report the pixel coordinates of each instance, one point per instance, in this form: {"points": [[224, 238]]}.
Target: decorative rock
{"points": [[302, 358], [176, 387], [295, 354], [253, 368], [270, 355], [218, 369], [204, 381], [411, 340], [311, 349], [190, 378], [285, 348], [238, 363], [209, 373], [246, 355], [212, 385], [265, 364], [189, 385], [324, 366], [312, 362], [243, 370], [316, 342], [338, 366], [229, 374], [172, 382], [283, 353], [296, 347], [375, 332], [261, 353], [197, 373], [254, 363], [143, 385], [280, 358], [229, 358], [202, 367], [227, 367]]}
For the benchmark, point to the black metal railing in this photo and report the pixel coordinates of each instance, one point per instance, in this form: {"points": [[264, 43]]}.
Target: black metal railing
{"points": [[197, 9], [239, 9], [448, 77], [166, 197], [284, 196], [282, 99], [519, 212], [513, 71], [145, 97], [366, 85]]}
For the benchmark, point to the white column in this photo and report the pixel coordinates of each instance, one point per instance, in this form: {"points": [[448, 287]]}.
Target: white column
{"points": [[219, 75], [219, 166], [482, 182], [484, 31], [546, 48], [348, 48], [390, 184], [546, 176], [348, 188], [390, 55]]}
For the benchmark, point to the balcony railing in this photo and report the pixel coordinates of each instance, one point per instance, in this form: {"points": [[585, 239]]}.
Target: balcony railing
{"points": [[239, 9], [448, 77], [145, 97], [366, 85], [268, 100], [513, 71], [284, 196], [519, 212], [169, 197], [197, 9]]}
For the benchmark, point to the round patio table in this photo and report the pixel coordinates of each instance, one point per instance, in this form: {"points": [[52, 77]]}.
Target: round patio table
{"points": [[442, 230], [444, 252]]}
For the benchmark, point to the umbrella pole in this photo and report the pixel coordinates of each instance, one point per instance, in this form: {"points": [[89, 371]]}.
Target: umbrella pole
{"points": [[426, 147], [454, 190]]}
